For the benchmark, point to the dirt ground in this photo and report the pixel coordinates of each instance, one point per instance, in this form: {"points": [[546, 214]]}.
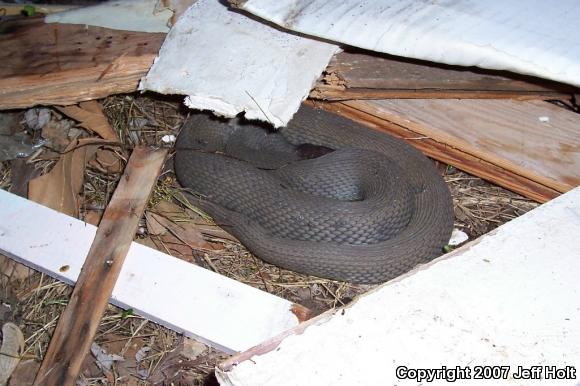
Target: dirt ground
{"points": [[133, 351]]}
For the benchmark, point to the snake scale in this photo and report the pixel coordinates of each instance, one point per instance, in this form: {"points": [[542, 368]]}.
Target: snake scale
{"points": [[323, 196]]}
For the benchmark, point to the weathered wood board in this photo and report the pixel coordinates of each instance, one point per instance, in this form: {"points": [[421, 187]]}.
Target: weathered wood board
{"points": [[78, 323], [534, 139], [61, 64], [361, 75]]}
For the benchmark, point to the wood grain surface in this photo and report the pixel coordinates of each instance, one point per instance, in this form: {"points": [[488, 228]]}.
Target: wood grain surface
{"points": [[61, 64], [78, 323], [452, 155], [366, 75], [534, 139]]}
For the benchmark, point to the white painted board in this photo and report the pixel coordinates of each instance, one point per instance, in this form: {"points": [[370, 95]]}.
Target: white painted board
{"points": [[229, 63], [127, 15], [511, 298], [534, 37], [212, 308]]}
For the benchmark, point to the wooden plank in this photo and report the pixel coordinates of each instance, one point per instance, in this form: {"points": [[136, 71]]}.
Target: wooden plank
{"points": [[78, 323], [356, 75], [533, 139], [448, 154], [46, 64], [522, 277], [209, 307]]}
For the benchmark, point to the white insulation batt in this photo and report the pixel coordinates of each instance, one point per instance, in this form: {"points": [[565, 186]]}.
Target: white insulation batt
{"points": [[510, 299], [128, 15], [228, 63], [535, 37]]}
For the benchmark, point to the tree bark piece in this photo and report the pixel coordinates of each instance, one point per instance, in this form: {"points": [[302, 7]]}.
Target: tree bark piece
{"points": [[78, 323]]}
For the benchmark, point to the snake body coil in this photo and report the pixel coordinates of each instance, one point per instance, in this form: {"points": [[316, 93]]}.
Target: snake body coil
{"points": [[368, 209]]}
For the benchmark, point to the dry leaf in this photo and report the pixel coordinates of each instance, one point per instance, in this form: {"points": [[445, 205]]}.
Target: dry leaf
{"points": [[107, 160], [12, 348], [57, 133], [154, 227], [217, 232], [59, 189], [104, 360], [24, 373], [128, 369], [90, 116], [171, 245], [13, 269], [142, 354], [186, 232], [36, 118], [169, 209], [22, 173], [174, 212]]}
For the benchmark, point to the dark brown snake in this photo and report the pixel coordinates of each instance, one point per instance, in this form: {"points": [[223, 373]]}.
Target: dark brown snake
{"points": [[368, 209]]}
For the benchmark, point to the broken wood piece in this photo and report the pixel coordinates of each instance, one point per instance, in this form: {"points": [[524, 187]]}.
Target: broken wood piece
{"points": [[360, 75], [505, 142], [205, 305], [78, 323], [63, 64], [527, 271]]}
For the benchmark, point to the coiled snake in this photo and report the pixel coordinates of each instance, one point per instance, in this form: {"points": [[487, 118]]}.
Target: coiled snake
{"points": [[368, 209]]}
